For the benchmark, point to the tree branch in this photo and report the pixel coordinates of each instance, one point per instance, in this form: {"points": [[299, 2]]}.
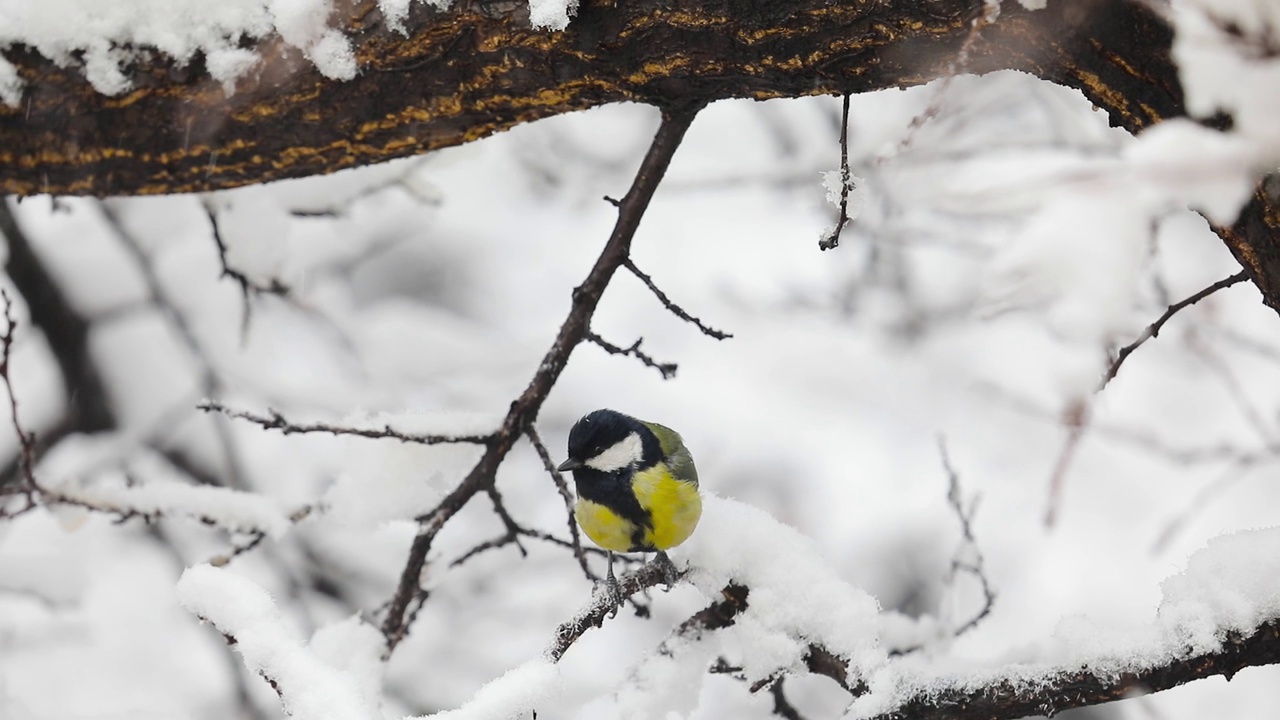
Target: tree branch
{"points": [[1008, 698], [478, 68], [524, 410]]}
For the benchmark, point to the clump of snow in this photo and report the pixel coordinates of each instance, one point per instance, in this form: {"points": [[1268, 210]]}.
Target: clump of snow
{"points": [[1225, 62], [512, 695], [108, 35], [10, 83], [310, 687], [856, 188], [1232, 584], [552, 14], [795, 598]]}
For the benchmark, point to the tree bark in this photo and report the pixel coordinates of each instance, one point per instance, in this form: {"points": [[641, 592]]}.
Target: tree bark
{"points": [[479, 68]]}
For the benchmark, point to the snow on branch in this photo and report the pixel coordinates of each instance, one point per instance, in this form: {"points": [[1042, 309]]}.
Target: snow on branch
{"points": [[343, 686], [1220, 615]]}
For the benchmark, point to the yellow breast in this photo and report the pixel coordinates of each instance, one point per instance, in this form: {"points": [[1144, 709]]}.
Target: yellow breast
{"points": [[605, 527], [674, 506]]}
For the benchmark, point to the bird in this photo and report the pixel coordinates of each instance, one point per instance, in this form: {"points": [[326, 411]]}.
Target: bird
{"points": [[637, 488]]}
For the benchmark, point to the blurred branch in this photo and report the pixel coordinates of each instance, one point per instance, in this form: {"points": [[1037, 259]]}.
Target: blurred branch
{"points": [[524, 410], [27, 484], [1010, 695], [66, 331], [968, 557], [668, 370], [157, 295], [248, 288], [1077, 415], [273, 420], [781, 706]]}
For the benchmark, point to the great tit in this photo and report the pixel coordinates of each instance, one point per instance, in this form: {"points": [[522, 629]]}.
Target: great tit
{"points": [[637, 487]]}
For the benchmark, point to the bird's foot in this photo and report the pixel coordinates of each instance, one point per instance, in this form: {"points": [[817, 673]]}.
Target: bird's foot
{"points": [[613, 590]]}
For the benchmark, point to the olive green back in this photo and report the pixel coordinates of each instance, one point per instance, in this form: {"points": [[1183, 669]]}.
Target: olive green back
{"points": [[676, 454]]}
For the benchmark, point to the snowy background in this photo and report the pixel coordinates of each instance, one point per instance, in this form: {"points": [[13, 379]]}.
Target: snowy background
{"points": [[1002, 250]]}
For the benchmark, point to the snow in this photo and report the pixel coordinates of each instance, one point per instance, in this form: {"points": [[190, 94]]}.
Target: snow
{"points": [[310, 687], [109, 35], [509, 696], [551, 14], [429, 297]]}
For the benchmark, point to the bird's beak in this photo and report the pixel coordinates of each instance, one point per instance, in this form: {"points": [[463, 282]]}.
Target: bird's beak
{"points": [[570, 464]]}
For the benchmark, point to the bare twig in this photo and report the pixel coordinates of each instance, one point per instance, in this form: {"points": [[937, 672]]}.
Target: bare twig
{"points": [[273, 420], [563, 488], [248, 287], [524, 410], [26, 440], [968, 558], [832, 239], [674, 308], [1154, 328], [1077, 415], [668, 370]]}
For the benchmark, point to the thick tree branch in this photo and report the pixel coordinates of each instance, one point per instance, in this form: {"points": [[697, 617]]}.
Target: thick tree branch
{"points": [[1003, 699], [66, 330], [478, 68]]}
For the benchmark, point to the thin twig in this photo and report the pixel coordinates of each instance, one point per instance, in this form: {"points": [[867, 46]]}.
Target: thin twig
{"points": [[674, 308], [248, 287], [668, 370], [968, 558], [832, 239], [26, 440], [1077, 415], [1154, 328], [273, 420], [563, 488]]}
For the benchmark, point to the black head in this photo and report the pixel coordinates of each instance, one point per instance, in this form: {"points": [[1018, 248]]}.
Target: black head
{"points": [[609, 441]]}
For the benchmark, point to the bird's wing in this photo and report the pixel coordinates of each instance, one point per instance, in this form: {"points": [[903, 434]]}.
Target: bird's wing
{"points": [[676, 454]]}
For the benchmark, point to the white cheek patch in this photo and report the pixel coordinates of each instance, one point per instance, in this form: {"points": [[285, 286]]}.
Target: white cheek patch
{"points": [[623, 453]]}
